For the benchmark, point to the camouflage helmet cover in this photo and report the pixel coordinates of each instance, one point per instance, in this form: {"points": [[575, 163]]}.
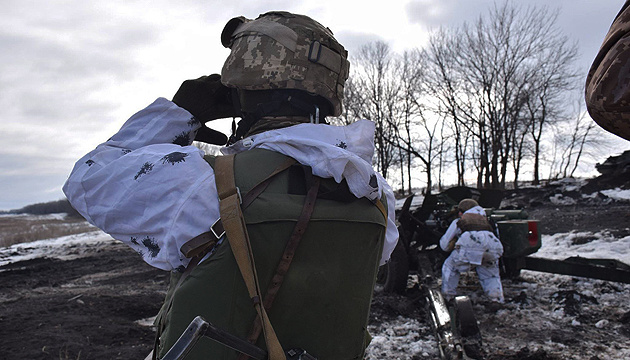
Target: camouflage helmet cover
{"points": [[607, 91], [466, 205], [281, 50]]}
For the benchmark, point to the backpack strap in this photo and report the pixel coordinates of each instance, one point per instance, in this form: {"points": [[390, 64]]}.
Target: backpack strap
{"points": [[289, 252], [236, 230]]}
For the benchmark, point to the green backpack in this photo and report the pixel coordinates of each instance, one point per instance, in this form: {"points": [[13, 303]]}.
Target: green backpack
{"points": [[323, 304]]}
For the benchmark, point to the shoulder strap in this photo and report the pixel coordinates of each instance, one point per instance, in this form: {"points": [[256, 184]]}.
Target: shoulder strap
{"points": [[381, 207], [289, 252], [236, 230]]}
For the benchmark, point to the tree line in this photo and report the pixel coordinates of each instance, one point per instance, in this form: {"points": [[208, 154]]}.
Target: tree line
{"points": [[45, 208], [488, 100]]}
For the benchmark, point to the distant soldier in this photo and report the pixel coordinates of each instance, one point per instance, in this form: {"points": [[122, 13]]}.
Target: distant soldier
{"points": [[291, 193], [473, 245], [608, 81]]}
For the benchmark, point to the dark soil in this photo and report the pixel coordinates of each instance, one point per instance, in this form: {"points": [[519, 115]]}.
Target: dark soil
{"points": [[613, 217], [79, 309]]}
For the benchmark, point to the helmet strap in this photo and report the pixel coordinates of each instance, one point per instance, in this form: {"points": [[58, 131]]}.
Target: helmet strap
{"points": [[257, 104], [316, 119]]}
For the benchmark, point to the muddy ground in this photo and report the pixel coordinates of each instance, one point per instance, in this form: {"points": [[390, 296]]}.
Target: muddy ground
{"points": [[89, 307]]}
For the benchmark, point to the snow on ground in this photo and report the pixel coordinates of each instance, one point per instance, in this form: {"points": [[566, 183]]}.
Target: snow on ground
{"points": [[617, 194], [64, 248], [554, 316], [58, 216], [402, 338], [600, 245]]}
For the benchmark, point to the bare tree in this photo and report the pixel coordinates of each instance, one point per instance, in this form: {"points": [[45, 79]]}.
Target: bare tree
{"points": [[373, 96], [353, 102], [488, 75], [574, 139], [553, 79], [443, 83]]}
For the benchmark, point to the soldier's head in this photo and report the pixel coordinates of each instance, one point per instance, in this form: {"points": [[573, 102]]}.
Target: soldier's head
{"points": [[466, 205], [285, 68]]}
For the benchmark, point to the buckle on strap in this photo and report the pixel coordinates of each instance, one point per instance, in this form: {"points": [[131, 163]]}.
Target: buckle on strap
{"points": [[203, 242], [217, 228]]}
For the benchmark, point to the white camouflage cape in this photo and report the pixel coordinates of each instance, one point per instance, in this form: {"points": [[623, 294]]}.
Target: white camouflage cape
{"points": [[147, 187]]}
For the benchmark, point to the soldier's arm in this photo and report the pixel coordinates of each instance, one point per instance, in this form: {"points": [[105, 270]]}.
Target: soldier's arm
{"points": [[447, 241], [146, 186]]}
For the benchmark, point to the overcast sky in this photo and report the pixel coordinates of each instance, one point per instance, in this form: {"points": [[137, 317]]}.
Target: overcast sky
{"points": [[74, 70]]}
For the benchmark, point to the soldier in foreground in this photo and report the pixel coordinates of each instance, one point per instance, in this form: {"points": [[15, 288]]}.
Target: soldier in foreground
{"points": [[311, 219], [473, 245], [608, 80]]}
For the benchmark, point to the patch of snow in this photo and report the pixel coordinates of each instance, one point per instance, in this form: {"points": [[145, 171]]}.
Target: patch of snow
{"points": [[401, 338], [600, 245], [617, 194], [602, 324], [569, 184], [559, 199], [415, 203], [57, 216], [52, 248], [146, 321]]}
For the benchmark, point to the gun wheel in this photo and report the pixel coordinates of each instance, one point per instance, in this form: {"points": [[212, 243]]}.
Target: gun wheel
{"points": [[467, 327], [396, 271]]}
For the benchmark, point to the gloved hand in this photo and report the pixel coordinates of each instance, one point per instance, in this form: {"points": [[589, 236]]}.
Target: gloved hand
{"points": [[205, 98], [211, 136]]}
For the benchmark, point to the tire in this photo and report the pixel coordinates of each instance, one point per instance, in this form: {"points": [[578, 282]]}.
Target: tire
{"points": [[396, 271]]}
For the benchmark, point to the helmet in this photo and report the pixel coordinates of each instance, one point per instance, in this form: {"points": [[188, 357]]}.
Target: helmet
{"points": [[466, 205], [281, 50]]}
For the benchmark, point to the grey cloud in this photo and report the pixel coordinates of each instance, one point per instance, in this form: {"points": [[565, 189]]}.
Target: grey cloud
{"points": [[589, 22], [585, 20], [48, 75], [353, 41], [435, 13], [255, 8], [81, 57]]}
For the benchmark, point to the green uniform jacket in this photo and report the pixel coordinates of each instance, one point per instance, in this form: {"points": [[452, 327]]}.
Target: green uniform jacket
{"points": [[324, 302]]}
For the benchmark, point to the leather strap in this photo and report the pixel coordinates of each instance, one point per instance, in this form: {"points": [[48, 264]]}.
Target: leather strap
{"points": [[236, 230], [381, 207], [287, 256], [208, 239], [201, 242]]}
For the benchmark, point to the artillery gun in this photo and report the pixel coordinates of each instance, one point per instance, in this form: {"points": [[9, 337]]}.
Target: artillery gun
{"points": [[418, 252]]}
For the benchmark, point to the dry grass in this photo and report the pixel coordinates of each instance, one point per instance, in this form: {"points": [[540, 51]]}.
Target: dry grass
{"points": [[20, 229]]}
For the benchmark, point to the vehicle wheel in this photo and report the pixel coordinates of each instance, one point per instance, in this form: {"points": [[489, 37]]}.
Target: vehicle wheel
{"points": [[396, 270]]}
